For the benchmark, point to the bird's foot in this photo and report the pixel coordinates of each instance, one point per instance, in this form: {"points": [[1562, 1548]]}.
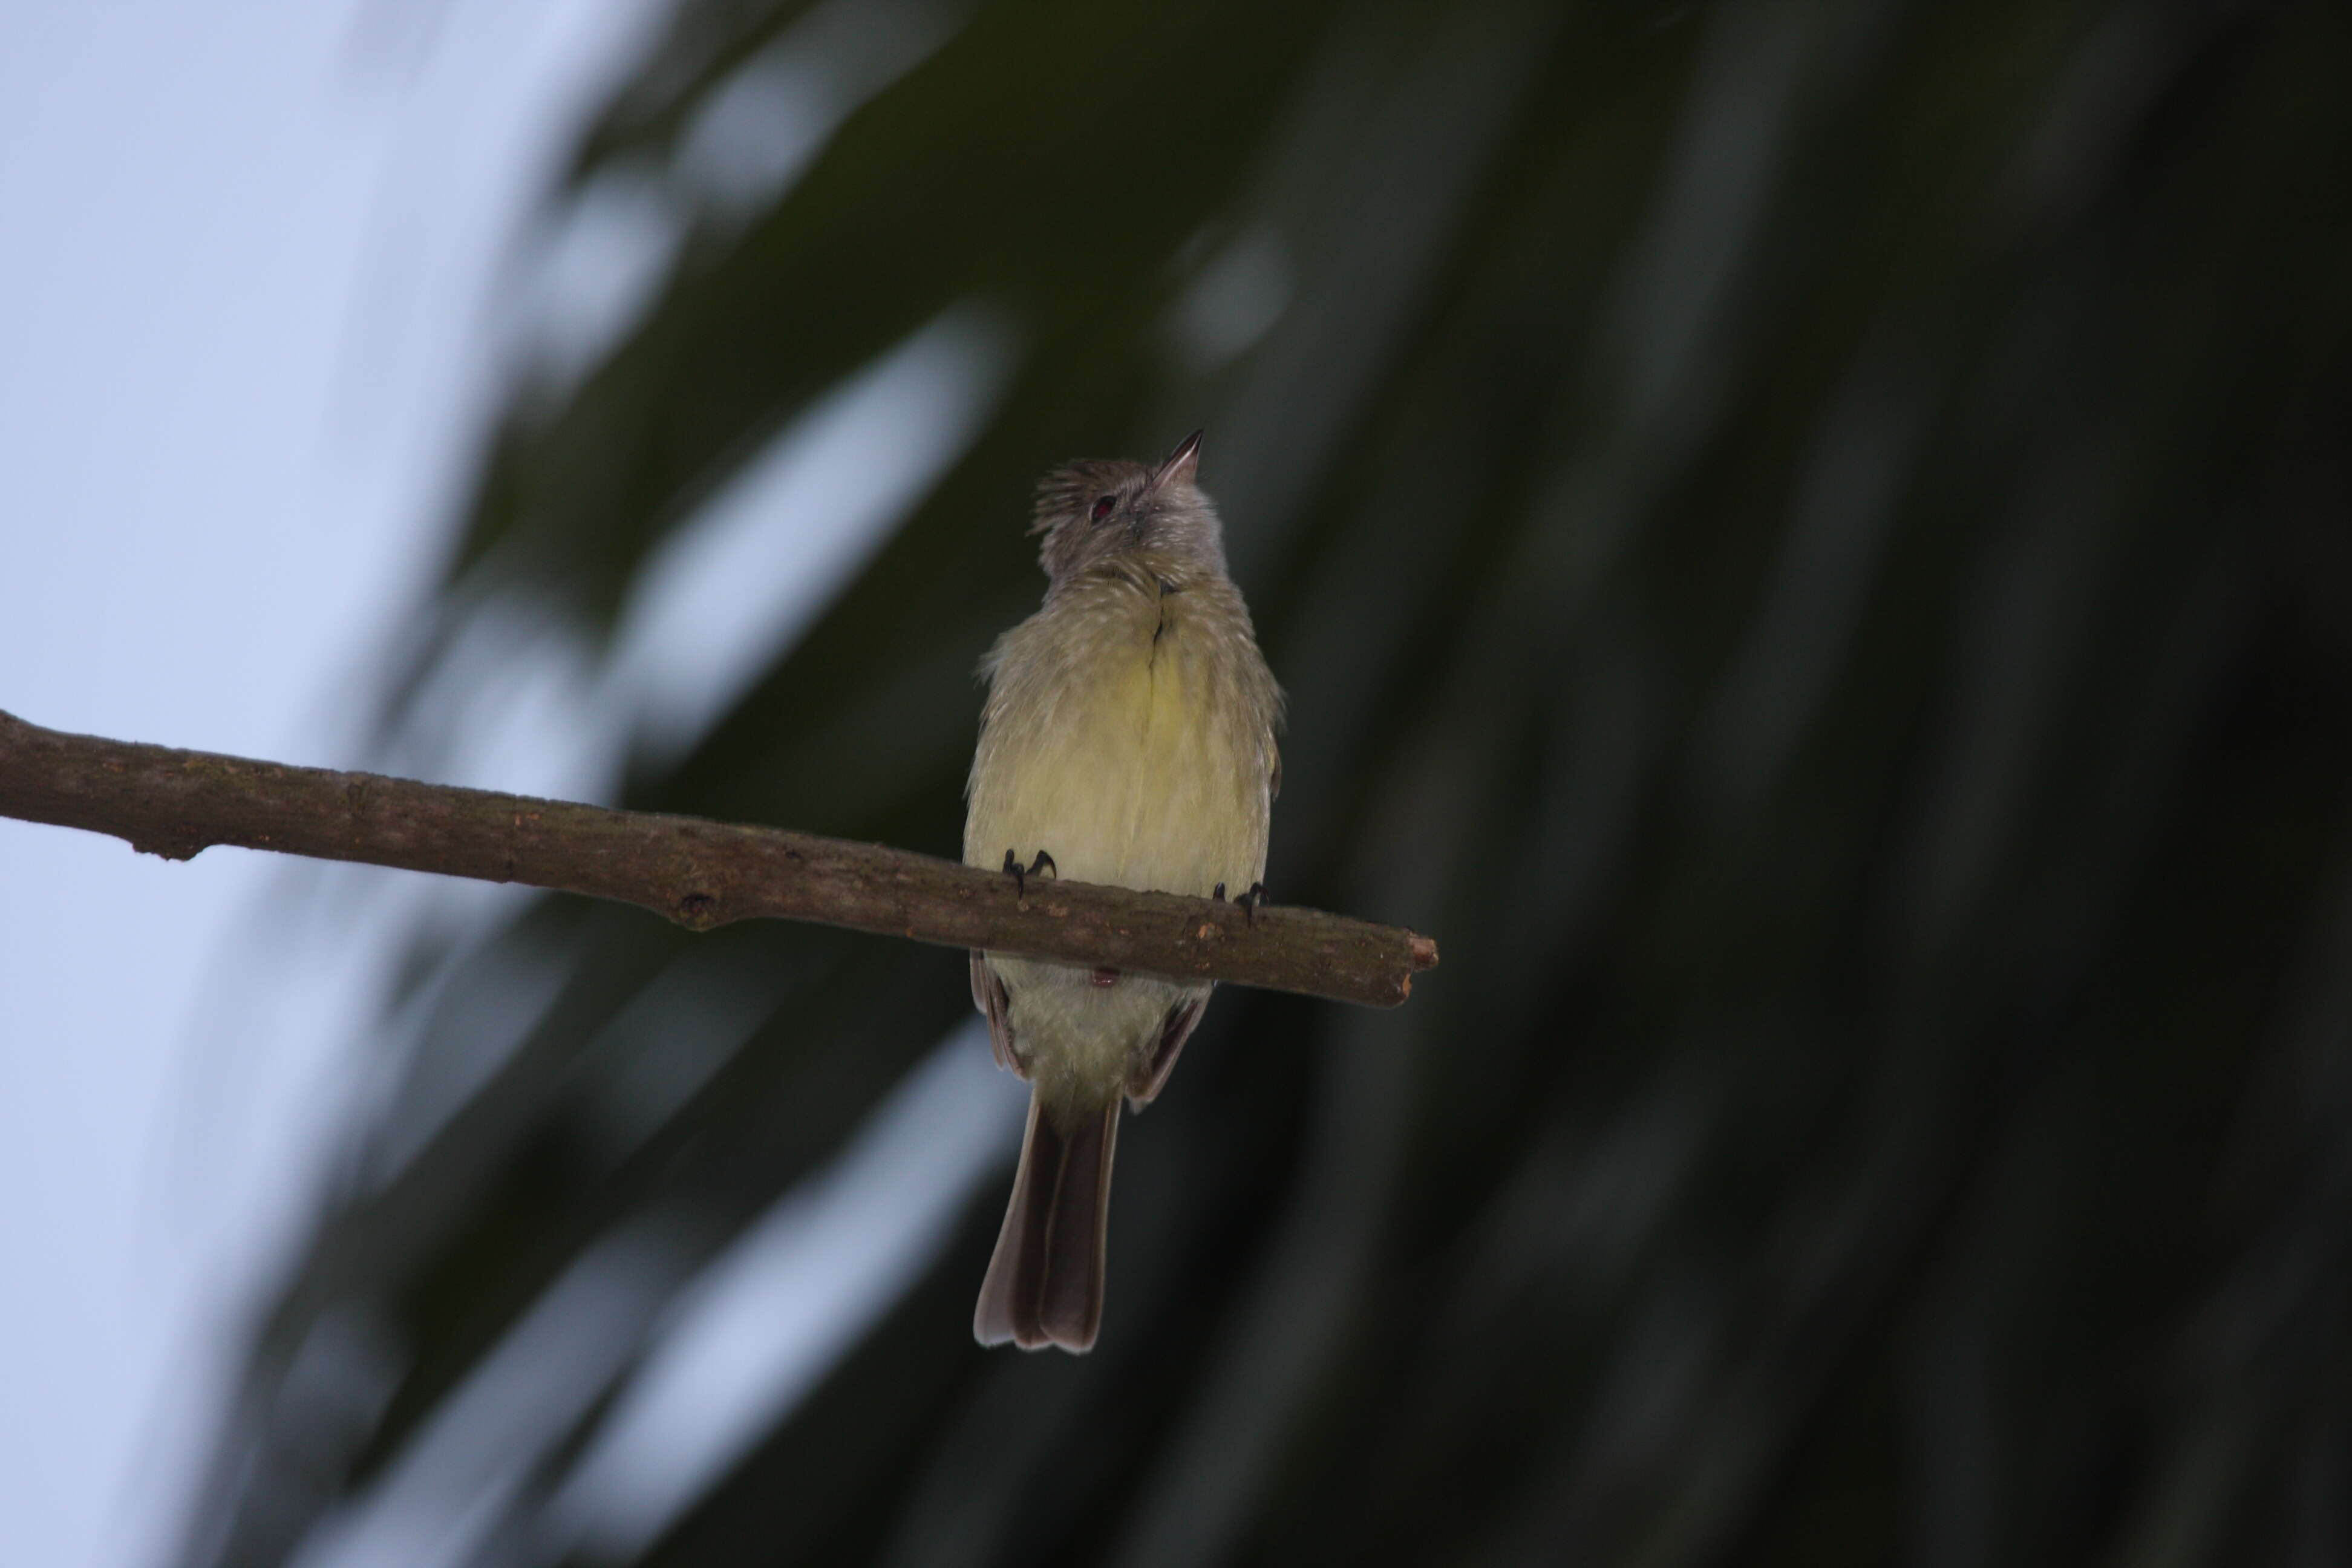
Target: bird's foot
{"points": [[1020, 874]]}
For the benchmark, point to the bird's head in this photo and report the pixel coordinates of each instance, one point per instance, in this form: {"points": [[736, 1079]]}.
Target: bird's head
{"points": [[1093, 509]]}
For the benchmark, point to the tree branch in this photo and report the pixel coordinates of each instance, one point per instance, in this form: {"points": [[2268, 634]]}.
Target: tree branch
{"points": [[696, 872]]}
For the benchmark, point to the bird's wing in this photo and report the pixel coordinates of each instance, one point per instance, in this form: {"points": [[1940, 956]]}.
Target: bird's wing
{"points": [[988, 994], [1144, 1083]]}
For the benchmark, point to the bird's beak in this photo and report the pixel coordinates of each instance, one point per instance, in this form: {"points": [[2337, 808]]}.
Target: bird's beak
{"points": [[1179, 464]]}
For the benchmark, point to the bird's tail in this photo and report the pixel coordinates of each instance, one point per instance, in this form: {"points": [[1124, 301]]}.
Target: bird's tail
{"points": [[1044, 1286]]}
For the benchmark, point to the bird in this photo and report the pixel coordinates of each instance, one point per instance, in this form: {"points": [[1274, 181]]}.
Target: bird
{"points": [[1128, 737]]}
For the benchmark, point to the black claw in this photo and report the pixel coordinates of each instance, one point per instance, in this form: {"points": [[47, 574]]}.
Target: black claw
{"points": [[1020, 877], [1043, 862], [1251, 902], [1220, 894]]}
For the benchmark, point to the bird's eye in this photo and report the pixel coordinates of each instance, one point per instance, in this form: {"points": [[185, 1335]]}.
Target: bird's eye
{"points": [[1104, 506]]}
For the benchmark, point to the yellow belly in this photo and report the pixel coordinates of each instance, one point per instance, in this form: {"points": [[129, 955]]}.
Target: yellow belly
{"points": [[1134, 764], [1129, 735]]}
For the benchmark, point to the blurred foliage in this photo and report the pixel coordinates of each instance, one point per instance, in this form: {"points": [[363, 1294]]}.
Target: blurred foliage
{"points": [[1807, 542]]}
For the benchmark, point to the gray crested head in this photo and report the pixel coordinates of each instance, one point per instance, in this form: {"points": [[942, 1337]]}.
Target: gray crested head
{"points": [[1094, 510]]}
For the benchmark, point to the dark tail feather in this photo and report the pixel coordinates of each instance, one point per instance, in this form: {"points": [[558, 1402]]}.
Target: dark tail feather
{"points": [[1044, 1286]]}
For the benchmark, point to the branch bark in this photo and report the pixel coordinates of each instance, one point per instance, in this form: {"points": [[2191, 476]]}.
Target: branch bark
{"points": [[696, 872]]}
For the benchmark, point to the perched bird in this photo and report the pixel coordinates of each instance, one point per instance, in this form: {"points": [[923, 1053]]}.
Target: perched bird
{"points": [[1129, 739]]}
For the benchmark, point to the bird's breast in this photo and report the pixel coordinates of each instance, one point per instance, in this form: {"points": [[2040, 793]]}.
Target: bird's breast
{"points": [[1120, 739]]}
